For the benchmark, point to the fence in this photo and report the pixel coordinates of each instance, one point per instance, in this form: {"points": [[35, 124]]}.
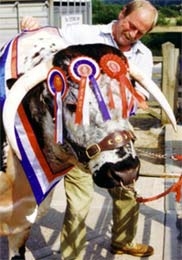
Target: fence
{"points": [[171, 70], [169, 76]]}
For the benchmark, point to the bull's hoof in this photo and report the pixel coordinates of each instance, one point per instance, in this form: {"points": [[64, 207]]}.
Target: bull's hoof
{"points": [[21, 255], [18, 257]]}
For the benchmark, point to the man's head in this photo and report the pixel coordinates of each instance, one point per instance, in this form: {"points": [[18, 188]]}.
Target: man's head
{"points": [[136, 19]]}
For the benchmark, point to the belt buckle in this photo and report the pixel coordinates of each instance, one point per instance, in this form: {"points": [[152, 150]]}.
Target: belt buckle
{"points": [[96, 150]]}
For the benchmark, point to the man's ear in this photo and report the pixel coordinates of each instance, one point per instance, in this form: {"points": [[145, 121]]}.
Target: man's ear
{"points": [[121, 14]]}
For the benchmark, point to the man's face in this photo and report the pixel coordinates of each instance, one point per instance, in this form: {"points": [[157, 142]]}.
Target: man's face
{"points": [[129, 29]]}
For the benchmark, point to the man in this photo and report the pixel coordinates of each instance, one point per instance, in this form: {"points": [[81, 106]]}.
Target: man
{"points": [[135, 20]]}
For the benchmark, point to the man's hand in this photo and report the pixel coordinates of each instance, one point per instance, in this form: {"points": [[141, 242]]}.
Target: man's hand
{"points": [[29, 23]]}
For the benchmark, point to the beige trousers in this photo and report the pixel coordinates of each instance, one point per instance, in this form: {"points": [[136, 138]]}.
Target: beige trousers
{"points": [[79, 193]]}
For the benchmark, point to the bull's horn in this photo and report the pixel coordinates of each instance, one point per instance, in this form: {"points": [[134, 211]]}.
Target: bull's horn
{"points": [[20, 88], [152, 88]]}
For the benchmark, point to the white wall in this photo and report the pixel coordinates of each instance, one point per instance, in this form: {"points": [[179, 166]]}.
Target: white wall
{"points": [[48, 12]]}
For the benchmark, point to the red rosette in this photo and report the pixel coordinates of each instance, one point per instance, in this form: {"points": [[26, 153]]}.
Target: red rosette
{"points": [[113, 65], [116, 67]]}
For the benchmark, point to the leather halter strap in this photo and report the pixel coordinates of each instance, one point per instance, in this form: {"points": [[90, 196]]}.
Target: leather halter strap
{"points": [[110, 142]]}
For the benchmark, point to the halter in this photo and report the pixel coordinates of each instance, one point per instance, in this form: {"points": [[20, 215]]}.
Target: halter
{"points": [[110, 142], [114, 140]]}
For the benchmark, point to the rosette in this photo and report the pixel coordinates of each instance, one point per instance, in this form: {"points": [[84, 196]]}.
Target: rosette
{"points": [[85, 71], [56, 82], [117, 68], [113, 65]]}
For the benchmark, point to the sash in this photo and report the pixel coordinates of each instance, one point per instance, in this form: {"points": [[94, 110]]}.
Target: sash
{"points": [[36, 168]]}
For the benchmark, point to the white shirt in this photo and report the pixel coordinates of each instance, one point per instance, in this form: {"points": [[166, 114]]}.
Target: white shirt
{"points": [[139, 54]]}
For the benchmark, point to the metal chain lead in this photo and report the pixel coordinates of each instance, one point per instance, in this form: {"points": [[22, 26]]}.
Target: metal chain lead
{"points": [[156, 155]]}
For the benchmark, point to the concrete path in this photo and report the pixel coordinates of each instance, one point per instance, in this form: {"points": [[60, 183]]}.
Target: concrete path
{"points": [[157, 223]]}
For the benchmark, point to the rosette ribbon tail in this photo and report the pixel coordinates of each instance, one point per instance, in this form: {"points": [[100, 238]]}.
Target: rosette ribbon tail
{"points": [[59, 118], [56, 82], [80, 103], [102, 105], [123, 96], [125, 83]]}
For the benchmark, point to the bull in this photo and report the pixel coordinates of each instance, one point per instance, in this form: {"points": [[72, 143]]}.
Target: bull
{"points": [[74, 103]]}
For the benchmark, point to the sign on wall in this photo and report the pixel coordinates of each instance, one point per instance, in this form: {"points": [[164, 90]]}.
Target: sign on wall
{"points": [[71, 19]]}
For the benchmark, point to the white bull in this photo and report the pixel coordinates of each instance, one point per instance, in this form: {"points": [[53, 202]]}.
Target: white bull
{"points": [[77, 101]]}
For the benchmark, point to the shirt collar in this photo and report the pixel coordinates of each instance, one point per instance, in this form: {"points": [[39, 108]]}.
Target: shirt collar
{"points": [[138, 46]]}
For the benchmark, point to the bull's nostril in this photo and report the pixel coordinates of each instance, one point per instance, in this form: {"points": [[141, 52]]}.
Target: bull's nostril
{"points": [[104, 179], [129, 175]]}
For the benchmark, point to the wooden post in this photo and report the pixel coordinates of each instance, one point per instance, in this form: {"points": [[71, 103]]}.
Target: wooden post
{"points": [[169, 76]]}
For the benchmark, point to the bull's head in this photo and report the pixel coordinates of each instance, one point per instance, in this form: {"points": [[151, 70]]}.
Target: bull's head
{"points": [[95, 105]]}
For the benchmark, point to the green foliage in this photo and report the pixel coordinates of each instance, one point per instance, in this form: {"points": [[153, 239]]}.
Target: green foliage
{"points": [[154, 41], [104, 13], [162, 20], [179, 21], [169, 12]]}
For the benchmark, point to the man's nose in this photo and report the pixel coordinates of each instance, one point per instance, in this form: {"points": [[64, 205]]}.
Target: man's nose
{"points": [[135, 34]]}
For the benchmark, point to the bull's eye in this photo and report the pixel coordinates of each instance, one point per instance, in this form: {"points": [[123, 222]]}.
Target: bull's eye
{"points": [[71, 107]]}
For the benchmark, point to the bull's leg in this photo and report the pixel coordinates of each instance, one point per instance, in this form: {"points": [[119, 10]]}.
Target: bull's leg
{"points": [[20, 255], [17, 244]]}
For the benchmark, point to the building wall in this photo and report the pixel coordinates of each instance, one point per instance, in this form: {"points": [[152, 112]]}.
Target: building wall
{"points": [[72, 11], [56, 13]]}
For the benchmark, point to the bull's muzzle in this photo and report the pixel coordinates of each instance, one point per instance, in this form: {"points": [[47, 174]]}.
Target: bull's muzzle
{"points": [[121, 174]]}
